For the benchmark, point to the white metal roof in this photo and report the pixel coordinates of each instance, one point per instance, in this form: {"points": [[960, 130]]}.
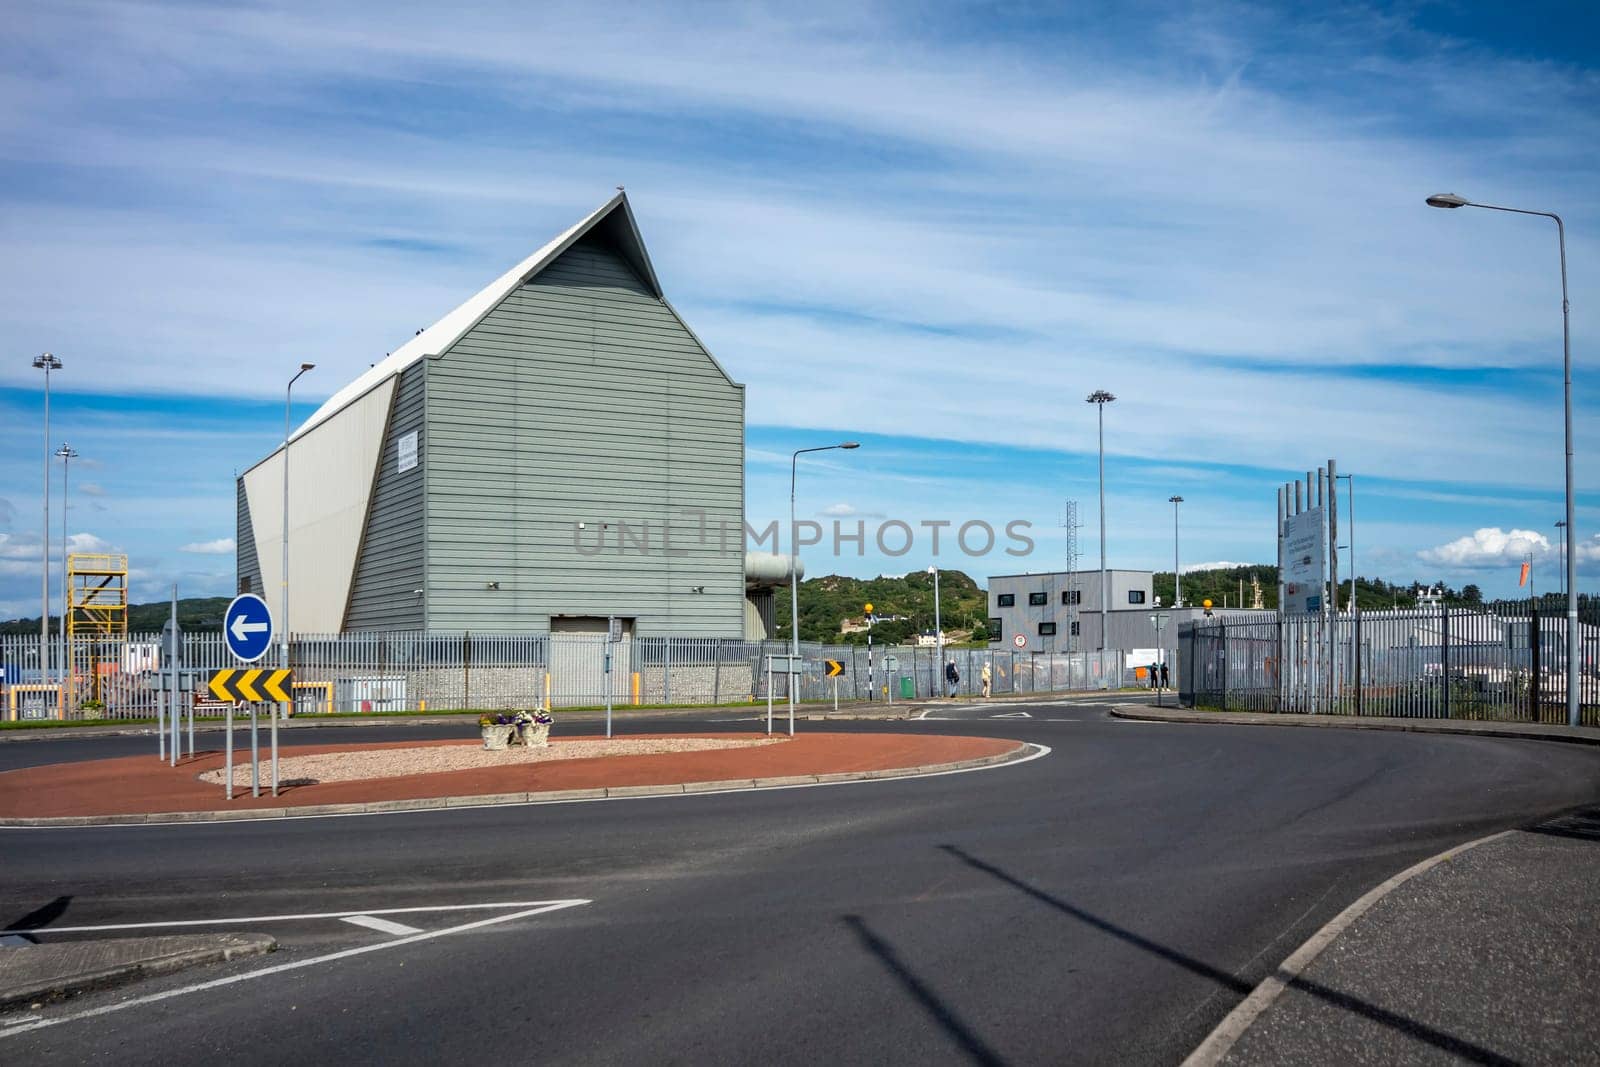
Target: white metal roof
{"points": [[450, 329]]}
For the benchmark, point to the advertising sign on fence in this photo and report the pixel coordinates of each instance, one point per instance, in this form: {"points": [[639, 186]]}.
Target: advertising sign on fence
{"points": [[1305, 561]]}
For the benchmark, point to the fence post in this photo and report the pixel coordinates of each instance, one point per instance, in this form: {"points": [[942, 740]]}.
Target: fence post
{"points": [[1223, 645], [1356, 651], [1534, 643], [1444, 655], [716, 673], [466, 669]]}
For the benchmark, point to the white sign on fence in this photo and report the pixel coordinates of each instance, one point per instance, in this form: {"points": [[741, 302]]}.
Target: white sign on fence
{"points": [[1305, 561]]}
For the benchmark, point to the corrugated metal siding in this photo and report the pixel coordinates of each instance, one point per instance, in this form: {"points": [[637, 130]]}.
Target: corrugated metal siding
{"points": [[582, 398], [248, 567], [389, 568]]}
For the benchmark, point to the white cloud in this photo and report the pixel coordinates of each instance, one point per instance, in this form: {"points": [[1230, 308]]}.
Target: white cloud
{"points": [[222, 546], [1488, 548], [90, 489], [839, 510]]}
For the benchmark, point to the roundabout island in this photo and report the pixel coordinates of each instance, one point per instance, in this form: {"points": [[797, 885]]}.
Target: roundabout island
{"points": [[406, 775]]}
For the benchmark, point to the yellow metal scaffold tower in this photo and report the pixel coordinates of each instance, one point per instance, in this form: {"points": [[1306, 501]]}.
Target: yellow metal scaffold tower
{"points": [[97, 618]]}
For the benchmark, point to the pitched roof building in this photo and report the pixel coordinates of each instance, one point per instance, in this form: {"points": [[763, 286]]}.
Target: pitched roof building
{"points": [[558, 449]]}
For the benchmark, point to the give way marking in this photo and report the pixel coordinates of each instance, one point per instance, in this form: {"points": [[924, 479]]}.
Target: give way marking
{"points": [[525, 910]]}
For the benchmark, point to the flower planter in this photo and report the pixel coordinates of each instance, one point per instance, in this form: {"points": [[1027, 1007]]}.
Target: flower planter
{"points": [[497, 737], [534, 735]]}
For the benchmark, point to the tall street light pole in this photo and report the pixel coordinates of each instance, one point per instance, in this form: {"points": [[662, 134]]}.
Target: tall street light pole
{"points": [[67, 454], [1177, 575], [46, 363], [1350, 506], [283, 575], [794, 564], [1100, 398], [1451, 200]]}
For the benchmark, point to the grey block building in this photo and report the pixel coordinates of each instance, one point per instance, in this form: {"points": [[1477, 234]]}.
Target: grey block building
{"points": [[558, 449], [1046, 609]]}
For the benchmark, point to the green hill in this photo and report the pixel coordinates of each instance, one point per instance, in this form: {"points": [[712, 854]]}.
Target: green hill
{"points": [[195, 615], [904, 604]]}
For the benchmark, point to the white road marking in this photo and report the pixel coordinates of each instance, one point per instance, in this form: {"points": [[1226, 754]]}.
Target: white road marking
{"points": [[1012, 715], [364, 912], [218, 983], [383, 926]]}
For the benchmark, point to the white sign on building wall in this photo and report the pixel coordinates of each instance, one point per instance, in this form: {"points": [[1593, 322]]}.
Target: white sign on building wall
{"points": [[407, 451], [1305, 561]]}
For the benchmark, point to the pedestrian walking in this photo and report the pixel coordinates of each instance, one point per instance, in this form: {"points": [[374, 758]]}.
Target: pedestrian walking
{"points": [[951, 678], [984, 678], [1165, 683]]}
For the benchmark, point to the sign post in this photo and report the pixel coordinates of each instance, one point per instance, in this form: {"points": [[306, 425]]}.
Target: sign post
{"points": [[1160, 621], [891, 664], [247, 631], [832, 669], [613, 635]]}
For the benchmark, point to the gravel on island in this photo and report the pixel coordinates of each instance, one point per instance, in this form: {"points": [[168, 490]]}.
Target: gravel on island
{"points": [[434, 759]]}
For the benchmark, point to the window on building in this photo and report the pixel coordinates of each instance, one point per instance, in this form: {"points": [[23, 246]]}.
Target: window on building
{"points": [[1075, 630], [1047, 629], [1136, 596], [994, 629], [1006, 600], [244, 584], [1072, 596], [1035, 599]]}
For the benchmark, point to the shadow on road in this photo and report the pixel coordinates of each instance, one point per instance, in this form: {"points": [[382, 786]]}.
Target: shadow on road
{"points": [[1580, 825], [937, 1008], [1421, 1032], [39, 917]]}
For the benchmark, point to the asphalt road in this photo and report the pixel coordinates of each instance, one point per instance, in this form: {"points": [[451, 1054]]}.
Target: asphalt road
{"points": [[1107, 902]]}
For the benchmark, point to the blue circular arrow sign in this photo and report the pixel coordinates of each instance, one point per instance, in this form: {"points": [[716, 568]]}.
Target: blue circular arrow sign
{"points": [[247, 627]]}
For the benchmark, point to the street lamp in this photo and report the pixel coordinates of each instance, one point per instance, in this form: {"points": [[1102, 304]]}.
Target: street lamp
{"points": [[1451, 200], [1100, 398], [938, 628], [1177, 575], [794, 558], [1350, 506], [46, 363], [67, 454], [283, 576]]}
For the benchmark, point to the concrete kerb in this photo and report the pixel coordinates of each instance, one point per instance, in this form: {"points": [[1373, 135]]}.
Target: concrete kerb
{"points": [[506, 799], [1581, 735], [219, 948], [1221, 1040]]}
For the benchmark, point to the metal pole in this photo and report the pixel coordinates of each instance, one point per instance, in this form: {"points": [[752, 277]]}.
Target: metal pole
{"points": [[46, 363], [283, 600], [274, 714], [938, 627], [255, 754], [66, 453], [227, 758], [1177, 575], [173, 664], [769, 695], [1450, 200]]}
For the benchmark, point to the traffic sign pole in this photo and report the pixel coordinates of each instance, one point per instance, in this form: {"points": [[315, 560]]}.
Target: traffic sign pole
{"points": [[227, 759], [274, 749]]}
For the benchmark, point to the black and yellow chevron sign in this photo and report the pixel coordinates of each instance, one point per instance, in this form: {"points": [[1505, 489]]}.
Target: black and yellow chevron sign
{"points": [[834, 668], [254, 686]]}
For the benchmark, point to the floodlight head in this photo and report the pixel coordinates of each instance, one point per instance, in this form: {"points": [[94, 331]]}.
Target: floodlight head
{"points": [[308, 366], [1450, 200], [1174, 499], [66, 451], [1099, 396], [46, 362]]}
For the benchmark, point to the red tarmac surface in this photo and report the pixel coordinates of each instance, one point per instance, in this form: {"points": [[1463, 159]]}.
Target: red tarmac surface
{"points": [[143, 784]]}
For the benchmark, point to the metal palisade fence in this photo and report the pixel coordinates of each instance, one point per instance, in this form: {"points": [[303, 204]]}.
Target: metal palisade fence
{"points": [[1506, 661], [412, 671]]}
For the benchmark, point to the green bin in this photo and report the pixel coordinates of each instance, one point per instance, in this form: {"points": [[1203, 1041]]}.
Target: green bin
{"points": [[908, 689]]}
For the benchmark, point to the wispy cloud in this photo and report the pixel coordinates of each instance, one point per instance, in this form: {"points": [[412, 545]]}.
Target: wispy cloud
{"points": [[222, 546]]}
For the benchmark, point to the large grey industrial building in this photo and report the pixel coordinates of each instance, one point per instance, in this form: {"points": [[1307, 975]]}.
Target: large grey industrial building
{"points": [[558, 449]]}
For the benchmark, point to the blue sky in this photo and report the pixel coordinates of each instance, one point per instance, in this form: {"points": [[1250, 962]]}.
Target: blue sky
{"points": [[930, 228]]}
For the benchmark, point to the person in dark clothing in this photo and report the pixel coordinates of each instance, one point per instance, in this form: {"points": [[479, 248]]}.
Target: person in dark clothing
{"points": [[1165, 684], [951, 678]]}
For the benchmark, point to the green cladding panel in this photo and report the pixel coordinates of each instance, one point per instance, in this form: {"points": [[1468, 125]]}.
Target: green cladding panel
{"points": [[583, 399], [387, 590]]}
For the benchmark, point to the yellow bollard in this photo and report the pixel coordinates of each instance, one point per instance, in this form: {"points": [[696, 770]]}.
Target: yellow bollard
{"points": [[422, 705], [635, 688]]}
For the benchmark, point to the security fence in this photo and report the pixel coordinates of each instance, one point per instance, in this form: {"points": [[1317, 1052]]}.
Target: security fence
{"points": [[412, 671], [1505, 661]]}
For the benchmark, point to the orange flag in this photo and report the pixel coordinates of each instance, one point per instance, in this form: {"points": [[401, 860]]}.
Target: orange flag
{"points": [[1524, 579]]}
